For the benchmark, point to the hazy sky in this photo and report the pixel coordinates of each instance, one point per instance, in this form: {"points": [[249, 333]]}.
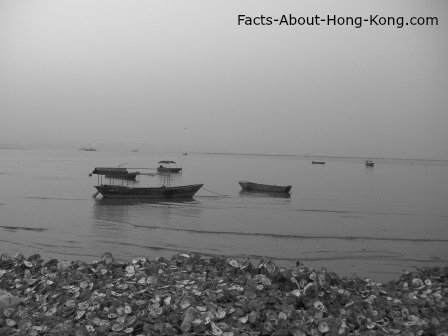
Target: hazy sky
{"points": [[183, 75]]}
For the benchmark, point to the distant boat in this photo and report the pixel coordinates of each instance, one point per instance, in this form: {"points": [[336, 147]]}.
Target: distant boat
{"points": [[134, 150], [369, 163], [122, 191], [88, 149], [184, 153], [118, 173], [318, 162], [166, 167], [250, 186]]}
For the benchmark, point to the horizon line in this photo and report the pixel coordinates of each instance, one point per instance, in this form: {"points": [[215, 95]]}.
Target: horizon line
{"points": [[326, 156], [24, 146]]}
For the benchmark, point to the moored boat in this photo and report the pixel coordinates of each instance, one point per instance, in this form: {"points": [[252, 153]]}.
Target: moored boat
{"points": [[369, 163], [250, 186], [318, 162], [88, 149], [166, 167], [126, 191], [119, 191]]}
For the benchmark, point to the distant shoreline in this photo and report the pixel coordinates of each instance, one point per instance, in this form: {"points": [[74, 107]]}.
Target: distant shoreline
{"points": [[305, 156], [326, 156], [13, 148]]}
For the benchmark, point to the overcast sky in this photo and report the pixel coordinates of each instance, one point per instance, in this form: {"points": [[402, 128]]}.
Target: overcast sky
{"points": [[183, 75]]}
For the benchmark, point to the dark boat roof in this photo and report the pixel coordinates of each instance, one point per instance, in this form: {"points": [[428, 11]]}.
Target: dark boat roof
{"points": [[111, 170], [166, 162]]}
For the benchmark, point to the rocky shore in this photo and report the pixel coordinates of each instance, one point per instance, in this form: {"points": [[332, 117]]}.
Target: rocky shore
{"points": [[197, 295]]}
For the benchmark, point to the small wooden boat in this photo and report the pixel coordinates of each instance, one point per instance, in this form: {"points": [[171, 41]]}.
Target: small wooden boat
{"points": [[318, 162], [129, 192], [369, 163], [118, 191], [166, 167], [250, 186], [116, 173]]}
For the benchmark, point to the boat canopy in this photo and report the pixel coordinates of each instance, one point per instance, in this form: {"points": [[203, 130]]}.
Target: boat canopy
{"points": [[166, 162], [109, 171]]}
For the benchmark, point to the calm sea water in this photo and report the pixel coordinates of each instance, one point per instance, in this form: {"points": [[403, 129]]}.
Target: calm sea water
{"points": [[345, 217]]}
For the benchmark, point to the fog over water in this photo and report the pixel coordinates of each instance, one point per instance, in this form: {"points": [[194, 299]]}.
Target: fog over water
{"points": [[184, 76]]}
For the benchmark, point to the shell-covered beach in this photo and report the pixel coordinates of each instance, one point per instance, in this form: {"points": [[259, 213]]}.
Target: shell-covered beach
{"points": [[198, 295]]}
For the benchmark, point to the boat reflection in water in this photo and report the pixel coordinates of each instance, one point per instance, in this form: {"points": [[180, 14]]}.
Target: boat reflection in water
{"points": [[141, 227], [135, 210], [119, 213], [138, 202]]}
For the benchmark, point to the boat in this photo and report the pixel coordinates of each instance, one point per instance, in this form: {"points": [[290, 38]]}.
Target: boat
{"points": [[134, 150], [120, 191], [88, 149], [318, 162], [369, 163], [184, 153], [166, 167], [113, 172], [250, 186], [129, 192]]}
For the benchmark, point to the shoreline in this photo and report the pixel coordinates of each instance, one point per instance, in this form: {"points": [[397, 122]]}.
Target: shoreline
{"points": [[343, 268], [195, 294]]}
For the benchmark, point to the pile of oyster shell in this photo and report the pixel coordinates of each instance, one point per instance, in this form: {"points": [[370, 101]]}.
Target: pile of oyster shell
{"points": [[198, 295]]}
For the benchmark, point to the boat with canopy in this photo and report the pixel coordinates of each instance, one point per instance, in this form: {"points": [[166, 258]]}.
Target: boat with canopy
{"points": [[125, 190], [166, 166]]}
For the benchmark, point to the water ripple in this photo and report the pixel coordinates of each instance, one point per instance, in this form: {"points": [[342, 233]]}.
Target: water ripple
{"points": [[289, 236], [15, 228], [52, 198]]}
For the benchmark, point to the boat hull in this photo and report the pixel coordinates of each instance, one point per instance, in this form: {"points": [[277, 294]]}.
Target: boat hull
{"points": [[250, 186], [168, 170], [318, 162], [113, 191], [255, 193]]}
